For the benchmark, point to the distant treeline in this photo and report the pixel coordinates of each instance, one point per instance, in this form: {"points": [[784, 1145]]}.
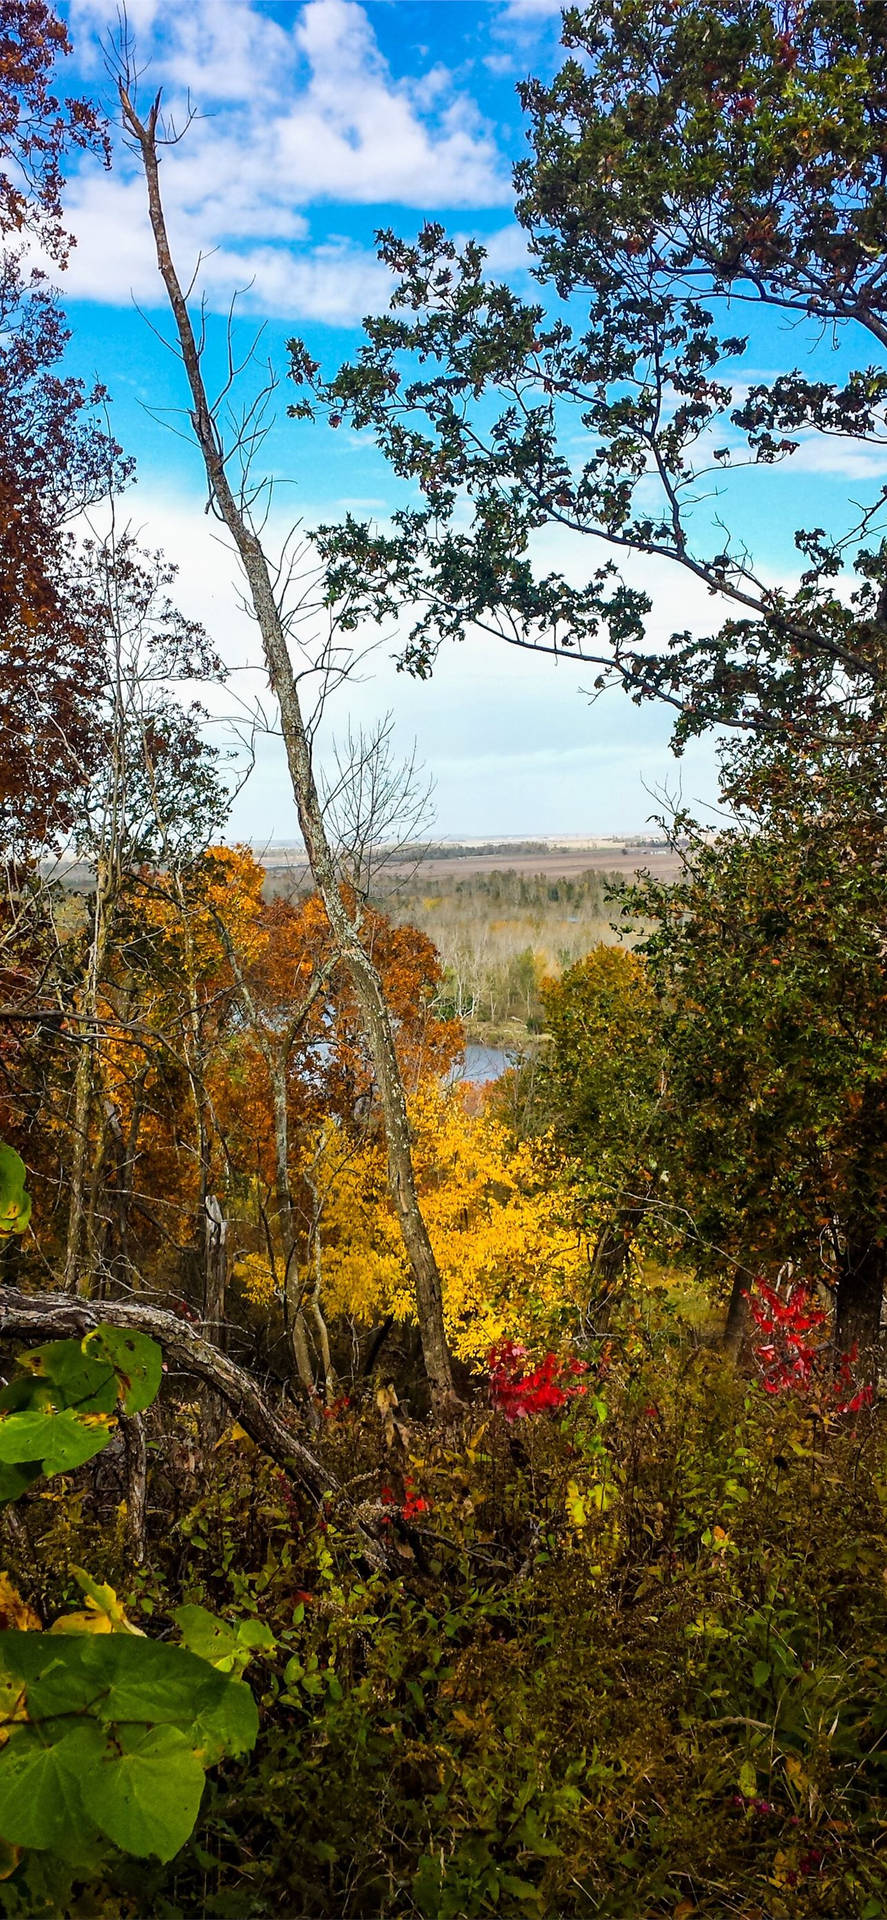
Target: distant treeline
{"points": [[500, 934]]}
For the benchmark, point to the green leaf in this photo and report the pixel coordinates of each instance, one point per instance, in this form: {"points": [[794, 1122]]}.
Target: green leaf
{"points": [[60, 1441], [15, 1201], [144, 1791], [137, 1361], [519, 1889], [86, 1383], [748, 1780], [227, 1725], [760, 1673], [256, 1634], [207, 1636], [40, 1799]]}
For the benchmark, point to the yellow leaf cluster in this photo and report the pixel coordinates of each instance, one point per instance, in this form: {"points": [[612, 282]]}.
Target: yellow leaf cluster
{"points": [[510, 1260], [256, 1278]]}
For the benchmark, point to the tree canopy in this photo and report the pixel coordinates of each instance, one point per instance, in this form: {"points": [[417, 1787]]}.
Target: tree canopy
{"points": [[692, 170]]}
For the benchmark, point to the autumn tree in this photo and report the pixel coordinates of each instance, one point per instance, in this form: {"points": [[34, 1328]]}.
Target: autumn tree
{"points": [[297, 1059], [56, 455], [502, 1222], [692, 170]]}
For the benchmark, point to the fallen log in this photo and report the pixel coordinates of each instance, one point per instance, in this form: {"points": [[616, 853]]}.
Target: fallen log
{"points": [[45, 1316]]}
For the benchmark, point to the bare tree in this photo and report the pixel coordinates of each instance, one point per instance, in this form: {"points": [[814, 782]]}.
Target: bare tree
{"points": [[235, 510], [376, 807], [156, 794], [275, 1041]]}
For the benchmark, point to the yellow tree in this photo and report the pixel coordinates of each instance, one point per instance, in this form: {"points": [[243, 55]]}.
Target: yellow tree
{"points": [[513, 1262]]}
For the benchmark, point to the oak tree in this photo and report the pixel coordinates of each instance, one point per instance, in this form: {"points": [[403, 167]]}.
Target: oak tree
{"points": [[692, 169]]}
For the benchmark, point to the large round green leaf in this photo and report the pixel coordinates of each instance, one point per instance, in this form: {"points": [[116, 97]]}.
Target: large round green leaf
{"points": [[136, 1359], [144, 1790], [40, 1799], [61, 1441]]}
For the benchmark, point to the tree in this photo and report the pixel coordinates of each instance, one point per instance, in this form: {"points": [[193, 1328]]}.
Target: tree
{"points": [[156, 796], [689, 164], [296, 1056], [514, 1262], [602, 1081], [768, 959], [55, 454], [36, 128], [234, 508]]}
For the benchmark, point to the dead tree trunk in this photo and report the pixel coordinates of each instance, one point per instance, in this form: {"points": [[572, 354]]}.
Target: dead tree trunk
{"points": [[364, 975], [215, 1269], [135, 1457], [62, 1316], [78, 1278]]}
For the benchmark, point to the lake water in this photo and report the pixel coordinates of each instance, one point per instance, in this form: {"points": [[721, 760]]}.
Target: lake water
{"points": [[479, 1064]]}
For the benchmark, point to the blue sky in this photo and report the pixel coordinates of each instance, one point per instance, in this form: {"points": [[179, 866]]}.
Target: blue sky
{"points": [[319, 122]]}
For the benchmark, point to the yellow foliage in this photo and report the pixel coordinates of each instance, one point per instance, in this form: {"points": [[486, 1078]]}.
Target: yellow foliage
{"points": [[508, 1256], [256, 1278], [103, 1612], [14, 1611]]}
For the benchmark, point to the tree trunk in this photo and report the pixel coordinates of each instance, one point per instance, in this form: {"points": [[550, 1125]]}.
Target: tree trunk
{"points": [[210, 1226], [609, 1265], [737, 1317], [287, 1227], [215, 1270], [364, 976], [859, 1305], [135, 1456], [77, 1276], [77, 1279]]}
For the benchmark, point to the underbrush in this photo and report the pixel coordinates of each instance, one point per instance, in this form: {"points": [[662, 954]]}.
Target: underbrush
{"points": [[629, 1660]]}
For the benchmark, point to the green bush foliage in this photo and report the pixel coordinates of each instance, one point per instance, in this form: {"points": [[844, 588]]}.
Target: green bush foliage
{"points": [[105, 1736], [628, 1659]]}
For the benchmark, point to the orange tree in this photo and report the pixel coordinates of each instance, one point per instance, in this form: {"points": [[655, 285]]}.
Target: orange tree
{"points": [[257, 1041], [278, 948], [296, 1062]]}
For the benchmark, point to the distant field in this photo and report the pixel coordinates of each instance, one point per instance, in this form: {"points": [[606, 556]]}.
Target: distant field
{"points": [[550, 859]]}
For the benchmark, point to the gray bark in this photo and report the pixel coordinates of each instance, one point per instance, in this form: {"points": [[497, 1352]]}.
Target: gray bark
{"points": [[62, 1316], [364, 975]]}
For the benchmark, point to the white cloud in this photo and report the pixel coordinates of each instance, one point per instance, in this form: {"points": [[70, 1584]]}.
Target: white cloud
{"points": [[506, 249], [839, 459], [335, 281], [511, 741], [530, 10], [356, 135], [288, 117]]}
